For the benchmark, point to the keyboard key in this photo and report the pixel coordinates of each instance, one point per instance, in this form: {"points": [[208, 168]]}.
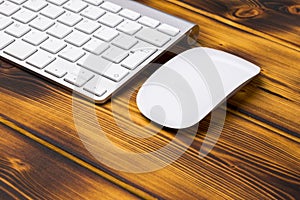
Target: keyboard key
{"points": [[137, 58], [4, 22], [19, 2], [58, 68], [78, 76], [24, 16], [58, 2], [35, 5], [143, 45], [94, 2], [111, 7], [20, 50], [59, 31], [95, 86], [40, 59], [125, 42], [7, 8], [147, 21], [104, 67], [96, 46], [167, 29], [17, 30], [35, 37], [5, 40], [52, 11], [77, 38], [53, 45], [129, 14], [75, 6], [87, 26], [153, 37], [129, 27], [115, 54], [106, 34], [93, 13], [41, 23], [94, 63], [69, 19], [111, 20], [116, 73], [71, 54], [78, 81]]}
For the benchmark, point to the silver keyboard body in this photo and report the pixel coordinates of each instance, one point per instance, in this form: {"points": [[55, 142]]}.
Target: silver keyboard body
{"points": [[93, 55]]}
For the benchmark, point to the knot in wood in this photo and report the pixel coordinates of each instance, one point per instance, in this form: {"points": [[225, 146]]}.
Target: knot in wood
{"points": [[294, 9], [248, 12]]}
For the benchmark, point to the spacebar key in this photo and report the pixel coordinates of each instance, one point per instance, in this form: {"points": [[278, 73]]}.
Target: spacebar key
{"points": [[153, 37]]}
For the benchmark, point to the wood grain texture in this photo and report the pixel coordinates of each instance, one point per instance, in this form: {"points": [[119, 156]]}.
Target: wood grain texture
{"points": [[256, 156], [276, 18], [31, 171]]}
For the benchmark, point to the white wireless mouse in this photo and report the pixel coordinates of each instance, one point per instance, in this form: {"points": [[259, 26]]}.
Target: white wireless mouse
{"points": [[189, 86]]}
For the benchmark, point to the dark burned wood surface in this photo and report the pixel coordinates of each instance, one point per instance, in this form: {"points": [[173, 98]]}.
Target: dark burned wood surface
{"points": [[256, 157]]}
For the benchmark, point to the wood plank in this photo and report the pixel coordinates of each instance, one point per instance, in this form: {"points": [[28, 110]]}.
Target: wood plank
{"points": [[273, 19], [31, 171], [252, 159]]}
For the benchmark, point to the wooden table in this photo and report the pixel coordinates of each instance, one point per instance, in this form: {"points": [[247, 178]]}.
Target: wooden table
{"points": [[256, 157]]}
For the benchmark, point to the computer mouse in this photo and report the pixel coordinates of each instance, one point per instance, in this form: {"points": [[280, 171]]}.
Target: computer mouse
{"points": [[190, 85]]}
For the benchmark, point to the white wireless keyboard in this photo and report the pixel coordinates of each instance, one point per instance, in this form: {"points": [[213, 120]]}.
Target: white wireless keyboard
{"points": [[90, 46]]}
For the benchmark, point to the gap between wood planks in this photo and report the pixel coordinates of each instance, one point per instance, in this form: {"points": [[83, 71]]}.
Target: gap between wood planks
{"points": [[122, 184], [234, 24]]}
